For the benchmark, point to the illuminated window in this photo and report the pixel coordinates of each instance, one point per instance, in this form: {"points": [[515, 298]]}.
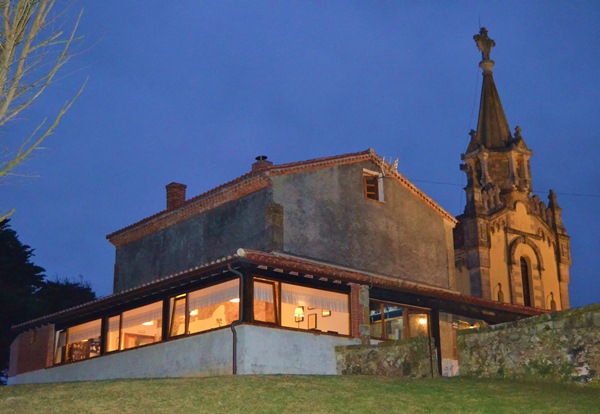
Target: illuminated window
{"points": [[315, 303], [214, 306], [178, 312], [264, 301], [142, 326], [301, 307], [60, 342], [395, 322], [80, 342], [113, 338], [205, 309]]}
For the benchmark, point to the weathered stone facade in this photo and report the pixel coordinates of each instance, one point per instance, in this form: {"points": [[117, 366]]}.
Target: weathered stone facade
{"points": [[315, 209], [410, 358], [563, 346]]}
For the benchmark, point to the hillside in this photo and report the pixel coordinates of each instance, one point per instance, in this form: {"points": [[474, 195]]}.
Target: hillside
{"points": [[309, 394]]}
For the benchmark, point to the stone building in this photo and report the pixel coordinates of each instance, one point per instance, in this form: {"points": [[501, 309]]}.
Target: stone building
{"points": [[510, 246], [268, 273], [352, 210]]}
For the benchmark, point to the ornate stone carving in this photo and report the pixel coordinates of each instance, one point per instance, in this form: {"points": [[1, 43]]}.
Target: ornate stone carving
{"points": [[484, 43]]}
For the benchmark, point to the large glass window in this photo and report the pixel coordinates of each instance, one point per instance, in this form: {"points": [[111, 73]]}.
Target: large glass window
{"points": [[178, 312], [301, 307], [206, 309], [265, 293], [395, 322], [113, 338], [60, 342], [82, 341], [141, 326]]}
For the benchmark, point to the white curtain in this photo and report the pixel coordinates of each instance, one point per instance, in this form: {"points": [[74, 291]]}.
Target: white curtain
{"points": [[314, 298], [214, 295], [138, 316], [84, 331], [263, 292]]}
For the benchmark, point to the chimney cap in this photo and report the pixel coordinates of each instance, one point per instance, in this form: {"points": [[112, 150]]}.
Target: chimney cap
{"points": [[261, 163]]}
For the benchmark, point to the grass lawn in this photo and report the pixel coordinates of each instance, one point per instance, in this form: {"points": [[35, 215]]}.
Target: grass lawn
{"points": [[305, 394]]}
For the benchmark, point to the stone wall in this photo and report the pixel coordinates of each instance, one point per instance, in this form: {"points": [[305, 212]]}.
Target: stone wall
{"points": [[327, 217], [200, 239], [410, 358], [562, 346]]}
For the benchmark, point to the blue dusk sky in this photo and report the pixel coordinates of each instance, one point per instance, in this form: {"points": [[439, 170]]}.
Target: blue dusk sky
{"points": [[192, 91]]}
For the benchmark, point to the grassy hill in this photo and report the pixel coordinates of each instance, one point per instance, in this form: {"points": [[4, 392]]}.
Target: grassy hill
{"points": [[294, 394]]}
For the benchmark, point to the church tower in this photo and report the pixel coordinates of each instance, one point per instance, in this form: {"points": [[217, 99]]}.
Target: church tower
{"points": [[509, 245]]}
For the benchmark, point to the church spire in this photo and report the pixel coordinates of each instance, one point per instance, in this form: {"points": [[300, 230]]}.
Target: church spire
{"points": [[492, 127]]}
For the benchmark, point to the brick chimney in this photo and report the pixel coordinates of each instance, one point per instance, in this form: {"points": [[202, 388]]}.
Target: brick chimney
{"points": [[261, 163], [175, 195]]}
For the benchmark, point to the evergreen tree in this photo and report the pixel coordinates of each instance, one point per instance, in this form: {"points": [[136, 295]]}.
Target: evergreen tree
{"points": [[19, 280], [25, 295], [59, 294]]}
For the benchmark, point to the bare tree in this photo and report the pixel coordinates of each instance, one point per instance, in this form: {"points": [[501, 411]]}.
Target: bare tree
{"points": [[33, 49]]}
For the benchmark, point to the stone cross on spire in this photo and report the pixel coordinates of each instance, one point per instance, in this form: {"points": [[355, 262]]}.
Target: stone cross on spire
{"points": [[484, 43]]}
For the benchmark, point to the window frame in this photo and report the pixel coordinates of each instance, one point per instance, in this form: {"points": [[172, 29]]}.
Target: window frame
{"points": [[278, 306], [408, 310], [373, 190]]}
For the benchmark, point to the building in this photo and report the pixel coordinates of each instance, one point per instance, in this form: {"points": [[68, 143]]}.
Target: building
{"points": [[509, 245], [269, 272]]}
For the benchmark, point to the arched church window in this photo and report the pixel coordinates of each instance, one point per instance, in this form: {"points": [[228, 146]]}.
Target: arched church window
{"points": [[525, 281]]}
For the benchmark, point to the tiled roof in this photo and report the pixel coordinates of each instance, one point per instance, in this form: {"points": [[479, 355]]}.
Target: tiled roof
{"points": [[255, 181], [354, 276], [293, 265]]}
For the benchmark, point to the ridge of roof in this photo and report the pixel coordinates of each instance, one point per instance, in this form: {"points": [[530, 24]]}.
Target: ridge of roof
{"points": [[255, 181], [259, 176]]}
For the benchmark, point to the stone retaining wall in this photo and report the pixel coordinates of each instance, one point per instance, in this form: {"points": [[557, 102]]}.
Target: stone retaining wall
{"points": [[562, 346], [411, 358]]}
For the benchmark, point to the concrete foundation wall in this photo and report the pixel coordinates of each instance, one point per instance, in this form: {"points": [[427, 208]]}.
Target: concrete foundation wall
{"points": [[201, 239], [328, 218], [264, 350], [563, 346], [261, 350], [199, 355]]}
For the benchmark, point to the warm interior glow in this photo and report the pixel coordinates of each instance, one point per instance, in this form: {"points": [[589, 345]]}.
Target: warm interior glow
{"points": [[299, 312], [235, 300], [326, 312], [149, 323], [194, 312], [422, 321]]}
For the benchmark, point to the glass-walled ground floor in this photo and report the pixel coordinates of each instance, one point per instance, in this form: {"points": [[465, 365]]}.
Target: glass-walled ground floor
{"points": [[201, 313], [274, 303]]}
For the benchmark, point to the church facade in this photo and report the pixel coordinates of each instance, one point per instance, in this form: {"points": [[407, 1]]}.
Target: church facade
{"points": [[510, 246], [268, 273]]}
